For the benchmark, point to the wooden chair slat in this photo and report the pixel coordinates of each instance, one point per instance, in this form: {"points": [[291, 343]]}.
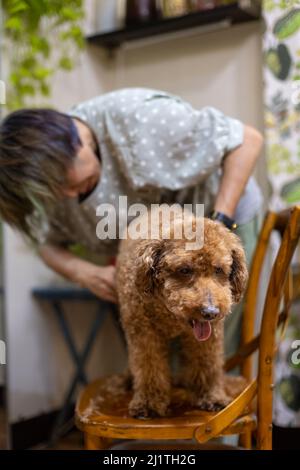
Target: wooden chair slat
{"points": [[267, 344], [218, 423], [249, 313], [249, 348]]}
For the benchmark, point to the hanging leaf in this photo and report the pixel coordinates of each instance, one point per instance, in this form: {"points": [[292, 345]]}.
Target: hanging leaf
{"points": [[66, 63], [45, 89], [40, 73], [14, 24]]}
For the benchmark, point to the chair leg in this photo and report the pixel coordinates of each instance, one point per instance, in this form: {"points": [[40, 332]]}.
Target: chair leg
{"points": [[245, 439], [92, 442]]}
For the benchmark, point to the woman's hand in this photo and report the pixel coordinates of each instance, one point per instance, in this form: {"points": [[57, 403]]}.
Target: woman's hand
{"points": [[99, 280]]}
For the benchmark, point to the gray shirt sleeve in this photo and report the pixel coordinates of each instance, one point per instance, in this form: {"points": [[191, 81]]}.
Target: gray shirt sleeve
{"points": [[55, 235], [166, 143], [50, 230]]}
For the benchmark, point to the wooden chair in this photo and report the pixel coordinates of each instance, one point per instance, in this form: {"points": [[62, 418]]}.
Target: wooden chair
{"points": [[102, 415]]}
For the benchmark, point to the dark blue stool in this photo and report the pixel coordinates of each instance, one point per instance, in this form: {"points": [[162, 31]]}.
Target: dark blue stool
{"points": [[55, 296]]}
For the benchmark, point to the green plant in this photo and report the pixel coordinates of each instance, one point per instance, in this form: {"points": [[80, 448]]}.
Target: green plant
{"points": [[43, 36]]}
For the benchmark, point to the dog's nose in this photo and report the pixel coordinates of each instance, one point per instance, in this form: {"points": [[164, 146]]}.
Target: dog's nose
{"points": [[210, 313]]}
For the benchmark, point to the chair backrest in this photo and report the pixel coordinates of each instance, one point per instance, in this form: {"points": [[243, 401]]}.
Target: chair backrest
{"points": [[287, 223], [273, 222], [279, 288]]}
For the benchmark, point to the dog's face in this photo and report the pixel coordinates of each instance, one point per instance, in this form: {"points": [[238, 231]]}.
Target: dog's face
{"points": [[197, 286]]}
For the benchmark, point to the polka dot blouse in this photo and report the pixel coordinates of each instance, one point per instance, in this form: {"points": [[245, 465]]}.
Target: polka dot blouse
{"points": [[155, 148]]}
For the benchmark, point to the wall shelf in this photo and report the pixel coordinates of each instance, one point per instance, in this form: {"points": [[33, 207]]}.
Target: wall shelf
{"points": [[239, 12]]}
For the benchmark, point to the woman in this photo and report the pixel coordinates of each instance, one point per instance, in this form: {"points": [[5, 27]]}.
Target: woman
{"points": [[153, 147]]}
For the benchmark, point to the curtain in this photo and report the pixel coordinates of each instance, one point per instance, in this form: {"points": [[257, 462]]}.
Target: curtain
{"points": [[281, 46]]}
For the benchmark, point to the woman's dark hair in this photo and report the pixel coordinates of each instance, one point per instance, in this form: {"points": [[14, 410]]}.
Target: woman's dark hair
{"points": [[36, 148]]}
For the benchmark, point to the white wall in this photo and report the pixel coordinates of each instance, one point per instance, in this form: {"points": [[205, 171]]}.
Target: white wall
{"points": [[222, 69]]}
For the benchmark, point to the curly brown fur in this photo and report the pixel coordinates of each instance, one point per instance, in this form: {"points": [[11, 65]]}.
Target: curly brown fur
{"points": [[166, 291]]}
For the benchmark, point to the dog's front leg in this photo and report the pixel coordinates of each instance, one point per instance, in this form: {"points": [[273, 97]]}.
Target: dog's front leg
{"points": [[148, 362], [203, 371]]}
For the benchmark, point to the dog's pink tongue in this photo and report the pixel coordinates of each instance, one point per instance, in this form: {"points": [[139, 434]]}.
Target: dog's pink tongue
{"points": [[202, 330]]}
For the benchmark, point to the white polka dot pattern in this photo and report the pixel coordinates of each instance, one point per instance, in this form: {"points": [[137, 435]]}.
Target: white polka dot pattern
{"points": [[150, 142]]}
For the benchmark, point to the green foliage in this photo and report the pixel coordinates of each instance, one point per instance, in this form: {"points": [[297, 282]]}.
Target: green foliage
{"points": [[269, 5], [279, 160], [290, 192], [289, 388], [44, 36]]}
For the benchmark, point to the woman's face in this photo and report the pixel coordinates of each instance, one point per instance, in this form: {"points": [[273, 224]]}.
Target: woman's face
{"points": [[85, 171]]}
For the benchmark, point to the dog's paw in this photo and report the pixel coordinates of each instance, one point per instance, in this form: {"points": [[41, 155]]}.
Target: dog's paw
{"points": [[213, 403], [146, 409], [234, 385]]}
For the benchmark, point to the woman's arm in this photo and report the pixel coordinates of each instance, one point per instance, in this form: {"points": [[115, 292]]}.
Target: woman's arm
{"points": [[237, 168], [99, 280]]}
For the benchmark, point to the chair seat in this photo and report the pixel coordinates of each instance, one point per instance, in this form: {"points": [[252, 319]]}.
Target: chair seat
{"points": [[102, 410]]}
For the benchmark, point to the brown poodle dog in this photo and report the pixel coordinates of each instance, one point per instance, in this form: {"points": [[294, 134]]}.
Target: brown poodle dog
{"points": [[166, 291]]}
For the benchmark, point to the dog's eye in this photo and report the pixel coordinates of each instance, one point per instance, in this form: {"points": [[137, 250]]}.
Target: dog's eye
{"points": [[219, 270], [185, 271]]}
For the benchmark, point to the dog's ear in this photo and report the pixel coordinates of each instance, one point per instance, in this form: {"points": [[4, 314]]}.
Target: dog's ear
{"points": [[148, 259], [239, 272]]}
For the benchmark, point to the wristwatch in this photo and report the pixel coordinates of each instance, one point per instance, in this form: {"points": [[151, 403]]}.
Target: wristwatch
{"points": [[227, 221]]}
